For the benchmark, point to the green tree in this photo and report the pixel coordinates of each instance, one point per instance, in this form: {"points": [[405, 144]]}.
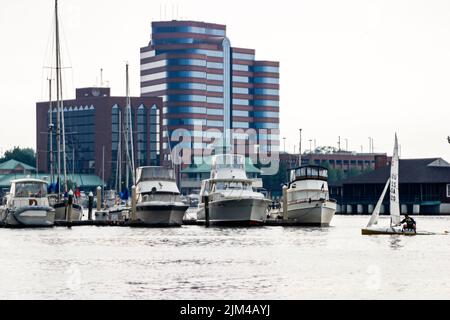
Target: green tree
{"points": [[26, 155]]}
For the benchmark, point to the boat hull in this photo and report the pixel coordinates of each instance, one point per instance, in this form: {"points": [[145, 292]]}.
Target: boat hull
{"points": [[29, 217], [151, 215], [395, 231], [316, 213], [236, 212], [60, 212]]}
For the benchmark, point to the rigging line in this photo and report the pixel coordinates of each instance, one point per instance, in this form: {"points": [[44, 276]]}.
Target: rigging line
{"points": [[65, 49], [50, 42]]}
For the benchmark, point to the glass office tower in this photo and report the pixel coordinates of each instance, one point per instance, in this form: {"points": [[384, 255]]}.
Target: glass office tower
{"points": [[205, 84]]}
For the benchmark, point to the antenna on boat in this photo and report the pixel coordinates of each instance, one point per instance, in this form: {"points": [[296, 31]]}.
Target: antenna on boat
{"points": [[300, 149]]}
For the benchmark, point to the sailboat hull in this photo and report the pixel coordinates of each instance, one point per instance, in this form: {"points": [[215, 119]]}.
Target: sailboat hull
{"points": [[394, 231]]}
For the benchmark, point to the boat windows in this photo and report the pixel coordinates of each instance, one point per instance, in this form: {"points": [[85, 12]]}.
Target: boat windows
{"points": [[310, 172], [233, 186], [30, 190]]}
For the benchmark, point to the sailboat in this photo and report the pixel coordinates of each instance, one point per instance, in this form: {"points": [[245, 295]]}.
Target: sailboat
{"points": [[117, 206], [55, 200], [394, 205]]}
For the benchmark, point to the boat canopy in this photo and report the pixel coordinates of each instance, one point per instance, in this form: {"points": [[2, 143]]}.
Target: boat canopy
{"points": [[309, 173], [31, 188], [154, 173]]}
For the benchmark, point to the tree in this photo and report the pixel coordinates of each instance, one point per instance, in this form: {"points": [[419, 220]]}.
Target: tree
{"points": [[325, 150], [25, 155]]}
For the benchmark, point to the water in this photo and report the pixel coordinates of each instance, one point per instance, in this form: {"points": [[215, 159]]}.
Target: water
{"points": [[197, 263]]}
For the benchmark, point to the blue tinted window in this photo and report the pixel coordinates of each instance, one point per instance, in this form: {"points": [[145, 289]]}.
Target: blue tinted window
{"points": [[194, 98], [210, 53], [187, 62], [266, 69], [214, 100], [266, 114], [241, 102], [240, 113], [242, 125], [215, 123], [267, 125], [198, 110], [187, 85], [215, 89], [243, 56], [186, 74], [241, 90], [174, 122], [218, 77], [266, 103], [215, 112], [214, 65], [241, 67], [266, 80], [268, 92], [241, 79], [189, 29]]}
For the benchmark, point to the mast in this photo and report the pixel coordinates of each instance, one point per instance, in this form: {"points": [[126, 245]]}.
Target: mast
{"points": [[119, 156], [300, 150], [394, 198], [103, 172], [58, 103], [61, 131], [50, 129], [130, 128]]}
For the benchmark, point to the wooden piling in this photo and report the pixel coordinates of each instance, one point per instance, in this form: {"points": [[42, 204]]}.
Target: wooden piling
{"points": [[90, 205], [285, 203], [99, 198]]}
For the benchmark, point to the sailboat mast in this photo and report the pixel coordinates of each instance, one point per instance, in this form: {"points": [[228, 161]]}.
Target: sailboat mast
{"points": [[50, 128], [58, 104], [130, 128], [394, 190], [119, 156], [127, 171]]}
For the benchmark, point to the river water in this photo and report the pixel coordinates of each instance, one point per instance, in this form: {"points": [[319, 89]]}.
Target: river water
{"points": [[193, 262]]}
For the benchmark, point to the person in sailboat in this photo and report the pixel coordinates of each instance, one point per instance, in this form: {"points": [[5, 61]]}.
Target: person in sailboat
{"points": [[409, 223]]}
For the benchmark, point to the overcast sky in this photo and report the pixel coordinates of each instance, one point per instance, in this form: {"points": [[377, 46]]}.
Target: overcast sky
{"points": [[349, 68]]}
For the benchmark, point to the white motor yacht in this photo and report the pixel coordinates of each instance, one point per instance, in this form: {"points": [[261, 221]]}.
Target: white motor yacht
{"points": [[308, 201], [231, 197], [159, 200], [27, 205]]}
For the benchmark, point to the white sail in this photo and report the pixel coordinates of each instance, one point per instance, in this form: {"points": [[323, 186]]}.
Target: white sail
{"points": [[394, 202], [376, 212]]}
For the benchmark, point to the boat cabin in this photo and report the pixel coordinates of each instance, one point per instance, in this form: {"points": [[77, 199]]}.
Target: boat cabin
{"points": [[212, 186], [309, 173], [156, 183], [308, 183], [26, 192], [28, 188]]}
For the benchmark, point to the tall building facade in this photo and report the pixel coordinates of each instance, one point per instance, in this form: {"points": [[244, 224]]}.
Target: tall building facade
{"points": [[209, 87], [94, 125]]}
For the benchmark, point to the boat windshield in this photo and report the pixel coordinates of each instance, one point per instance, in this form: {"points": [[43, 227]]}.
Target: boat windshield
{"points": [[310, 172], [30, 190], [233, 186], [155, 173]]}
